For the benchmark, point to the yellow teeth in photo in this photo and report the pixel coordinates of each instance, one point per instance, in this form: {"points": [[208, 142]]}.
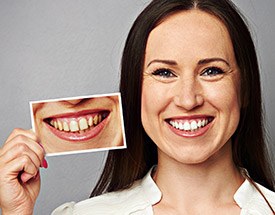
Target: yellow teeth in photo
{"points": [[77, 125], [74, 126], [66, 126], [83, 124]]}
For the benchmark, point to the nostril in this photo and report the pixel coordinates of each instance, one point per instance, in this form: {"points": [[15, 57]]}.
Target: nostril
{"points": [[74, 101], [199, 99], [189, 101]]}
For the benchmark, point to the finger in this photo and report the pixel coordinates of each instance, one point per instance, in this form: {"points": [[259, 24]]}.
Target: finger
{"points": [[25, 177], [22, 149], [21, 144], [20, 131], [18, 166]]}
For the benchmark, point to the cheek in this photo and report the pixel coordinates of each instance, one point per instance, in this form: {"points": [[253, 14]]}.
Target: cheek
{"points": [[225, 98], [225, 94], [37, 110], [151, 101], [145, 105], [38, 120]]}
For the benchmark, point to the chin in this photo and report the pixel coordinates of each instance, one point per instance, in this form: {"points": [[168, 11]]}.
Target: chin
{"points": [[193, 155], [193, 160]]}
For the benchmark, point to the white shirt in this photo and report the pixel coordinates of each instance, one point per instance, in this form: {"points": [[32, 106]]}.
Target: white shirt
{"points": [[139, 199]]}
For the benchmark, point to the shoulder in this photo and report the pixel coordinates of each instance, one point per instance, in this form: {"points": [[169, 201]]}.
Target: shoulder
{"points": [[256, 202], [137, 199], [268, 194], [119, 202]]}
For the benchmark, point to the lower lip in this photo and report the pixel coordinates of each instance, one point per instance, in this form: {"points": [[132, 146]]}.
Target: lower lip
{"points": [[75, 136], [190, 134]]}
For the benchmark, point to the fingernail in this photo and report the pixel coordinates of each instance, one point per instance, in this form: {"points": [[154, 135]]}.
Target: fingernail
{"points": [[44, 163]]}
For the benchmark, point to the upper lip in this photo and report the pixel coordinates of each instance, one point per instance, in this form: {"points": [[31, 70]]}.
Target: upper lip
{"points": [[76, 114], [190, 117]]}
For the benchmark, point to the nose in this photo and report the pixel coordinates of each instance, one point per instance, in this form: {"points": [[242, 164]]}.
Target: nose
{"points": [[74, 101], [188, 94]]}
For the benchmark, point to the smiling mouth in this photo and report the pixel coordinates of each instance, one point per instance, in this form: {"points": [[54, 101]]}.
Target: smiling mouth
{"points": [[77, 126], [190, 125]]}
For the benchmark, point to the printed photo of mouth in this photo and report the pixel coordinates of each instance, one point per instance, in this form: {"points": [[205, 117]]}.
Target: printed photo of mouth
{"points": [[70, 125]]}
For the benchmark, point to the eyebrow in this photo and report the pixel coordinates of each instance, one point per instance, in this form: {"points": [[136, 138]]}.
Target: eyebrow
{"points": [[209, 60], [201, 62], [169, 62]]}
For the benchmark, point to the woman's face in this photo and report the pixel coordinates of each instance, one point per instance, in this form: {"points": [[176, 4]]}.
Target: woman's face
{"points": [[191, 87], [79, 124]]}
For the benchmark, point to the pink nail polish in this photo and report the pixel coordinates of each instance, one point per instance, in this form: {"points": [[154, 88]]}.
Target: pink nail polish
{"points": [[44, 163]]}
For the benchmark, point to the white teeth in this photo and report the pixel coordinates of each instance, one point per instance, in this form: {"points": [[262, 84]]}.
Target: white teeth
{"points": [[193, 125], [189, 125], [199, 123], [83, 124], [74, 126], [186, 126], [66, 126], [172, 123]]}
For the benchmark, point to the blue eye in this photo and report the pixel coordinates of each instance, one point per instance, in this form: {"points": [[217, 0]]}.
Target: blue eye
{"points": [[212, 71], [164, 73]]}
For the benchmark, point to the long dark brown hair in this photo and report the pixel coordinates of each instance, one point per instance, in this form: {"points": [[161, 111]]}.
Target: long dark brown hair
{"points": [[123, 167]]}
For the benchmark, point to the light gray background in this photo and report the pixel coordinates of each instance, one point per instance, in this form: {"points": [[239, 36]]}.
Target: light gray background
{"points": [[53, 49]]}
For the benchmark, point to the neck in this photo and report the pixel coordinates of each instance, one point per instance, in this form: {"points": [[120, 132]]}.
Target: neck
{"points": [[213, 181]]}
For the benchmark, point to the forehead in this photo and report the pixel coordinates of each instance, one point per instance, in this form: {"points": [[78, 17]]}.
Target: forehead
{"points": [[191, 32]]}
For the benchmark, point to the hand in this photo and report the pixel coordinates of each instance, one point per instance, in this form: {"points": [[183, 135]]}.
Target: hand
{"points": [[20, 159]]}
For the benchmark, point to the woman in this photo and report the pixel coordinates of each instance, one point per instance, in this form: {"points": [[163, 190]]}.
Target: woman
{"points": [[188, 69]]}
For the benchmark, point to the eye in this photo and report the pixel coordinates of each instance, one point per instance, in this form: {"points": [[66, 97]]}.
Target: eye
{"points": [[212, 71], [163, 73]]}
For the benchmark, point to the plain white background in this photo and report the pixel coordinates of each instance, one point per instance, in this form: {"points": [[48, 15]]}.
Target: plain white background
{"points": [[52, 49]]}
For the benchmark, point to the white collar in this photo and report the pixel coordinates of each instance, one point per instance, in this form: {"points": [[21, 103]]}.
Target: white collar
{"points": [[150, 189], [153, 194]]}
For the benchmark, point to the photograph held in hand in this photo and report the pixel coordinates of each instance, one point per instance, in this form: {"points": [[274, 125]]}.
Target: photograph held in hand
{"points": [[76, 124]]}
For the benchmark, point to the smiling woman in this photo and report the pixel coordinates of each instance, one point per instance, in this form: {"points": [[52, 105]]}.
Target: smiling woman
{"points": [[78, 124], [195, 88], [191, 97]]}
